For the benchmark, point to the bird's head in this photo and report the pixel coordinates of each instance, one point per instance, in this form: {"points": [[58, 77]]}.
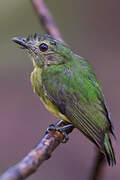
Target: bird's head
{"points": [[44, 50]]}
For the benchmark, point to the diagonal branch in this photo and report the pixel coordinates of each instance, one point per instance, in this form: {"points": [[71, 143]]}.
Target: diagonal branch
{"points": [[30, 163], [46, 19], [98, 166]]}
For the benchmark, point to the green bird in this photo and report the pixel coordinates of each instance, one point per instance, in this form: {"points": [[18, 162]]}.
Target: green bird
{"points": [[69, 89]]}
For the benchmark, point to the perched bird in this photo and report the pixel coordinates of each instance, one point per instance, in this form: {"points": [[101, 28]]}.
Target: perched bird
{"points": [[69, 89]]}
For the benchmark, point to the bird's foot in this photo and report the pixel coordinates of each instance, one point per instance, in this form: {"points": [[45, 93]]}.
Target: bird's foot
{"points": [[63, 129]]}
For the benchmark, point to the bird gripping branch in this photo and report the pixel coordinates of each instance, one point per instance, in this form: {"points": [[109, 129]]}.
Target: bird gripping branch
{"points": [[69, 89]]}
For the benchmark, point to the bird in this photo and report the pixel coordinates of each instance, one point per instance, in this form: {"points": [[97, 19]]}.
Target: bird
{"points": [[69, 89]]}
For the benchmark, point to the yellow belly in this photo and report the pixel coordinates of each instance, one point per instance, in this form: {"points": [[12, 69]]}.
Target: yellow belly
{"points": [[53, 109], [36, 83]]}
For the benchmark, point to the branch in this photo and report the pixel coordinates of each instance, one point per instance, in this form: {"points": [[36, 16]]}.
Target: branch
{"points": [[46, 19], [36, 157], [98, 166]]}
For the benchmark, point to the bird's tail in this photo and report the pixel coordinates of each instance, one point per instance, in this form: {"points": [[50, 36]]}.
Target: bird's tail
{"points": [[109, 152]]}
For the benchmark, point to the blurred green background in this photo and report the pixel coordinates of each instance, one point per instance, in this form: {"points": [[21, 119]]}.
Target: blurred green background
{"points": [[92, 29]]}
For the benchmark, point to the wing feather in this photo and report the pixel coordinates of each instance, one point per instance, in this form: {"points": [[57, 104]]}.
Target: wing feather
{"points": [[78, 96]]}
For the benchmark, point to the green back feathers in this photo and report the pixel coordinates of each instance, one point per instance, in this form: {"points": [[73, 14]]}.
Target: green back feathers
{"points": [[74, 89]]}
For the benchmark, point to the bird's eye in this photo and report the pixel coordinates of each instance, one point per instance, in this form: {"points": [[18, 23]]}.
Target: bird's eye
{"points": [[43, 47]]}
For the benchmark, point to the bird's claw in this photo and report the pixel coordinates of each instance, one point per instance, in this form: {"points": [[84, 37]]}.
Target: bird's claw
{"points": [[60, 129]]}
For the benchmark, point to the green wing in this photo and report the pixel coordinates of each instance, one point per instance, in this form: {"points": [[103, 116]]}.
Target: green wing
{"points": [[75, 91]]}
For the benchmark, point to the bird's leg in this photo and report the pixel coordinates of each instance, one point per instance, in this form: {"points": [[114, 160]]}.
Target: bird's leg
{"points": [[61, 127]]}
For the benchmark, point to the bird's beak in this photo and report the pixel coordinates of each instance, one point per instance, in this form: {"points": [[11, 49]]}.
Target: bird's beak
{"points": [[22, 42]]}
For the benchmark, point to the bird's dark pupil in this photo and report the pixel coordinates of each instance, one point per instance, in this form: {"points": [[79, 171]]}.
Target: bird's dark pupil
{"points": [[43, 47]]}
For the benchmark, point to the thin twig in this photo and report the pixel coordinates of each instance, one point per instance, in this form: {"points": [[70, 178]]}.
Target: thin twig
{"points": [[46, 19], [98, 166]]}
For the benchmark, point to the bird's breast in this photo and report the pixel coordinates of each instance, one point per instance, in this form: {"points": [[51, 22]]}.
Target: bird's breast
{"points": [[38, 87]]}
